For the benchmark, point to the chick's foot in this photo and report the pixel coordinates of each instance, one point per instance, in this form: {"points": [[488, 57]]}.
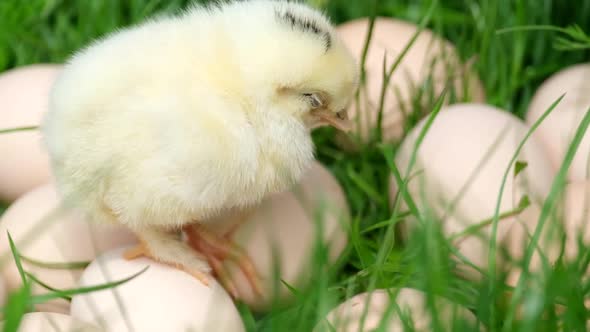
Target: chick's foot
{"points": [[219, 248], [142, 250]]}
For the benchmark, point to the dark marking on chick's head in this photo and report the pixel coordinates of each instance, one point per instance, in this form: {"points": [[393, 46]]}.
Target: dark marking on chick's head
{"points": [[305, 25]]}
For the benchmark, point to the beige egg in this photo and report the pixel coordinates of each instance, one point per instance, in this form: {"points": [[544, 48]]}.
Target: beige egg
{"points": [[459, 170], [161, 299], [558, 129], [52, 322], [24, 95], [284, 228], [2, 292], [577, 217], [348, 316], [429, 57], [68, 238], [572, 221]]}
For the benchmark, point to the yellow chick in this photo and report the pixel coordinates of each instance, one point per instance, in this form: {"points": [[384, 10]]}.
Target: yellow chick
{"points": [[164, 125]]}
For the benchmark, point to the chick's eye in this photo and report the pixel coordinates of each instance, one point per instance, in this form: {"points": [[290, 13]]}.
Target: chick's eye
{"points": [[314, 100]]}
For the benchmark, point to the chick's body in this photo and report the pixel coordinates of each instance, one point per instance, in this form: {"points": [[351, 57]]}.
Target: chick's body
{"points": [[148, 112], [178, 119]]}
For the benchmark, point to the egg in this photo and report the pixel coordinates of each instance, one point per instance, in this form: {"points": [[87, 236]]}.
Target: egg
{"points": [[429, 57], [571, 223], [284, 228], [68, 238], [161, 299], [558, 129], [461, 162], [577, 217], [2, 292], [52, 322], [347, 317], [24, 94]]}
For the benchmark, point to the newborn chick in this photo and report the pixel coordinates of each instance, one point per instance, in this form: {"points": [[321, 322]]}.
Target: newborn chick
{"points": [[165, 125]]}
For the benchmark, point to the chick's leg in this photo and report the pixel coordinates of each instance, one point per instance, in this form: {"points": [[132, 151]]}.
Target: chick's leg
{"points": [[167, 248], [217, 249]]}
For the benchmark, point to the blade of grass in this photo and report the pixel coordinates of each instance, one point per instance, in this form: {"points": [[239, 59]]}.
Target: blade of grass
{"points": [[368, 39], [247, 317], [16, 307], [362, 69], [387, 76], [17, 261], [364, 186], [550, 203], [496, 218], [531, 28], [46, 286], [388, 240], [414, 155], [17, 129], [17, 304], [385, 223], [402, 187], [56, 266], [37, 299], [476, 227], [574, 37]]}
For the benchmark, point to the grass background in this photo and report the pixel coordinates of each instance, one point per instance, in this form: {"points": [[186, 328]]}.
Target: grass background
{"points": [[510, 65]]}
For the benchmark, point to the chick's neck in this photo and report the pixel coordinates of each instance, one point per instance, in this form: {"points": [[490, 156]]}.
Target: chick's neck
{"points": [[285, 148]]}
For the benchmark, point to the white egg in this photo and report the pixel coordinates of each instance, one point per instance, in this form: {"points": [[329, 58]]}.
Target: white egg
{"points": [[558, 129], [161, 299], [283, 227], [429, 56], [24, 94], [348, 316], [459, 171], [68, 238], [52, 322]]}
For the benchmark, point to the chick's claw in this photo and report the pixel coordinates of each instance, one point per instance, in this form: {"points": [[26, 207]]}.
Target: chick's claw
{"points": [[223, 275], [135, 252], [141, 250], [217, 249]]}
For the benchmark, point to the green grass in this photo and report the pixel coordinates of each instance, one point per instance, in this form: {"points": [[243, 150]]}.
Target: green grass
{"points": [[511, 63]]}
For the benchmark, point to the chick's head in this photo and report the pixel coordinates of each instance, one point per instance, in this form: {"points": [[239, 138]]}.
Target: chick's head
{"points": [[293, 62]]}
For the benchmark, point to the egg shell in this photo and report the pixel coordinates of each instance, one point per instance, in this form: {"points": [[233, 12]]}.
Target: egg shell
{"points": [[283, 227], [558, 129], [429, 55], [2, 292], [462, 160], [577, 217], [24, 93], [68, 238], [347, 317], [573, 222], [52, 322], [161, 299]]}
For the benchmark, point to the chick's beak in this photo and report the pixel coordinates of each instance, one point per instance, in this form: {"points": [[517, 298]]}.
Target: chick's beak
{"points": [[338, 120]]}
